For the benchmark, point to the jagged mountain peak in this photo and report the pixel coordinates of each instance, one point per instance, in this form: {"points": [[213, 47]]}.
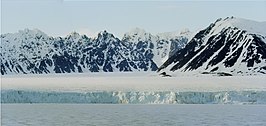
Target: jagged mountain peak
{"points": [[105, 33], [185, 31], [26, 33], [137, 34], [23, 37], [105, 37], [32, 33], [73, 34]]}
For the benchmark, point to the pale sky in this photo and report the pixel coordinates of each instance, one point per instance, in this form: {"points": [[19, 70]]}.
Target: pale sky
{"points": [[59, 18]]}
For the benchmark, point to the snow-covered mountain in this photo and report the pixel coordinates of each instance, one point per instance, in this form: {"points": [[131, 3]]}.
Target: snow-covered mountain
{"points": [[231, 45], [161, 45], [32, 51]]}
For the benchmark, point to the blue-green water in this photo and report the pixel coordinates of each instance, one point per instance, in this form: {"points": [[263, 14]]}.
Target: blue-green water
{"points": [[132, 115]]}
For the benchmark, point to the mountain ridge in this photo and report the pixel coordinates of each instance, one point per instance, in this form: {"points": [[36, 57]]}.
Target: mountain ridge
{"points": [[222, 47], [34, 52], [232, 45]]}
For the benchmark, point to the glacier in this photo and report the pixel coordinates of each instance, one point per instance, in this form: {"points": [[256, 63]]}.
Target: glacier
{"points": [[135, 97], [132, 88]]}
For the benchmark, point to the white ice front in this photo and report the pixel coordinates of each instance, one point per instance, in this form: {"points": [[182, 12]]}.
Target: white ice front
{"points": [[91, 88]]}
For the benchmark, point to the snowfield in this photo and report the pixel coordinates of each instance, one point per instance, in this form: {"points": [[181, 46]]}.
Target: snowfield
{"points": [[130, 88], [131, 82]]}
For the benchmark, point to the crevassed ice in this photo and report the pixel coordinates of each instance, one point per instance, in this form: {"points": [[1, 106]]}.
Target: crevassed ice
{"points": [[135, 97]]}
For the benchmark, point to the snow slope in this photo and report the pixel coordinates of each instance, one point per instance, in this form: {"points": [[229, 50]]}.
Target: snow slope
{"points": [[251, 26]]}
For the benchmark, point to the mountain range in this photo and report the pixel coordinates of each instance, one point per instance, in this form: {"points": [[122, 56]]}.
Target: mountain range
{"points": [[232, 45], [34, 52]]}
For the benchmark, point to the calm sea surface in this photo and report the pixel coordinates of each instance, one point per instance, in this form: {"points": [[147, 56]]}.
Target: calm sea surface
{"points": [[132, 115]]}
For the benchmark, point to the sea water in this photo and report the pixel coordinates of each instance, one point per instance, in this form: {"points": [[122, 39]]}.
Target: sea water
{"points": [[132, 115]]}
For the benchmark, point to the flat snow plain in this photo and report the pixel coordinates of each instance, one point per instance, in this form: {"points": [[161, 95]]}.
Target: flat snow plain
{"points": [[131, 82]]}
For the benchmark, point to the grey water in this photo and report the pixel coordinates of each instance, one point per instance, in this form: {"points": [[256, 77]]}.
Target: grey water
{"points": [[132, 115]]}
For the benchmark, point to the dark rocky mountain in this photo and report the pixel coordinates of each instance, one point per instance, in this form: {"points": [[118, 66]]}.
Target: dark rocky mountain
{"points": [[33, 52], [231, 45]]}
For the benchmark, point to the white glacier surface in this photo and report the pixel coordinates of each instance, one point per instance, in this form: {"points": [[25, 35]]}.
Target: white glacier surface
{"points": [[128, 89]]}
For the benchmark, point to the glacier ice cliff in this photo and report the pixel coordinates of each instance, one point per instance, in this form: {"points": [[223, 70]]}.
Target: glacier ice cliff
{"points": [[134, 97]]}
